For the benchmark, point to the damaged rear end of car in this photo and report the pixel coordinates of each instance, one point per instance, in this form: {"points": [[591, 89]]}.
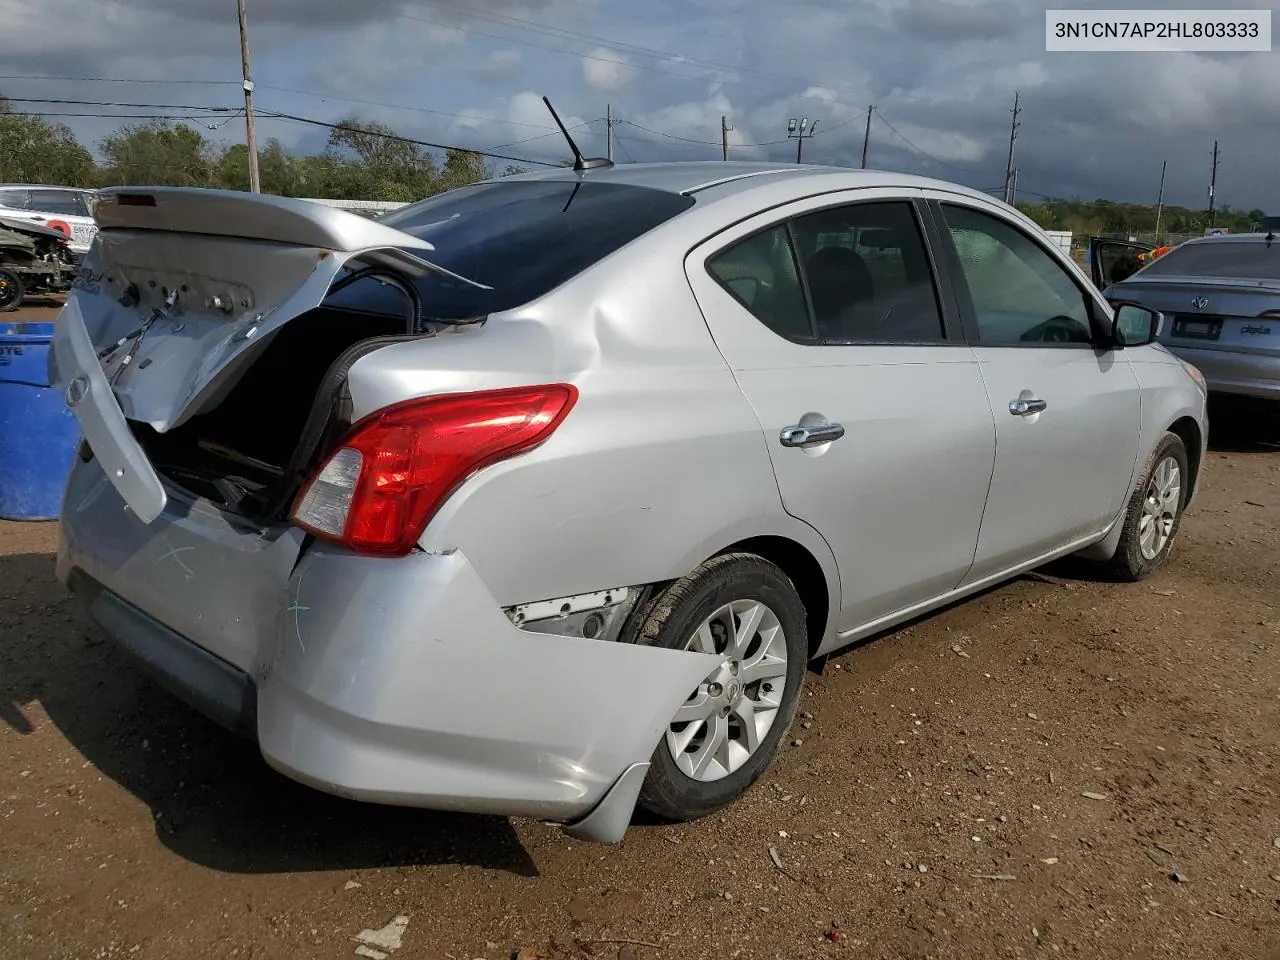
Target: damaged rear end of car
{"points": [[245, 511]]}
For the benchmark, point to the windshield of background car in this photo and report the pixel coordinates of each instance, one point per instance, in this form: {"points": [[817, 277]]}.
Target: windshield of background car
{"points": [[1247, 260], [522, 238]]}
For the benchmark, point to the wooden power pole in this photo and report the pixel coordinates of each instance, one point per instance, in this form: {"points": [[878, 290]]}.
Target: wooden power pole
{"points": [[866, 137], [608, 119], [1013, 136], [1213, 181], [724, 137], [251, 139], [1160, 201]]}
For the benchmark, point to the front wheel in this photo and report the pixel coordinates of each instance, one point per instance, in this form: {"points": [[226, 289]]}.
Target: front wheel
{"points": [[1154, 513], [727, 733], [11, 291]]}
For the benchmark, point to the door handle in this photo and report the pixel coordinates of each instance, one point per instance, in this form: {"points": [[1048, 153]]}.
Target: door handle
{"points": [[1025, 408], [810, 436]]}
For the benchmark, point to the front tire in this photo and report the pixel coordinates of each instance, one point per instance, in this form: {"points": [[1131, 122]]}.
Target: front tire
{"points": [[11, 291], [1154, 514], [727, 733]]}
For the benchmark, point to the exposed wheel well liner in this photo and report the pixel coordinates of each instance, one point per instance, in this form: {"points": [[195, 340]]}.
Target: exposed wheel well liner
{"points": [[1188, 431], [805, 573]]}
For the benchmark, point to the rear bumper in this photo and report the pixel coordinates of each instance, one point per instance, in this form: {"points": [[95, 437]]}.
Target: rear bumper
{"points": [[392, 681], [217, 689], [1243, 374]]}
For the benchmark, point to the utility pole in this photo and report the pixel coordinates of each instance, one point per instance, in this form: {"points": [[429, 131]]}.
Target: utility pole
{"points": [[608, 119], [1013, 192], [724, 137], [866, 137], [1213, 181], [251, 139], [799, 131], [1160, 202], [1013, 136]]}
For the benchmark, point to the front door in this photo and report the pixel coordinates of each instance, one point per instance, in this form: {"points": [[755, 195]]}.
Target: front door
{"points": [[1067, 410], [872, 405]]}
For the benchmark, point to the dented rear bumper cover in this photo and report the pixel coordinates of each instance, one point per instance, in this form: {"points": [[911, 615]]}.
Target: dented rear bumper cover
{"points": [[396, 681]]}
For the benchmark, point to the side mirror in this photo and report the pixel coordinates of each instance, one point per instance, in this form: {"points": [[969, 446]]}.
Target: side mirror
{"points": [[1134, 325]]}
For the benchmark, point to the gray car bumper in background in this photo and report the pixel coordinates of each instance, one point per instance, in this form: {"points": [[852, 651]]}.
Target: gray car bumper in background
{"points": [[1225, 371]]}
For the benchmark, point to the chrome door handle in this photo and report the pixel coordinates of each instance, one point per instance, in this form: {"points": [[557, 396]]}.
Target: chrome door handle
{"points": [[810, 436], [1024, 408]]}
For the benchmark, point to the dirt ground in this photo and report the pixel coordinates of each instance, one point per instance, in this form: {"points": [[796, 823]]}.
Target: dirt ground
{"points": [[1060, 767]]}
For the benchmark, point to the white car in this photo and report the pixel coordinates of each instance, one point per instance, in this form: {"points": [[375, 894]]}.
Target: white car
{"points": [[62, 208]]}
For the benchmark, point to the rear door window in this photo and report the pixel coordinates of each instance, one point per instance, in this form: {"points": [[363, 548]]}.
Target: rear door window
{"points": [[13, 199], [523, 238], [65, 203], [869, 275]]}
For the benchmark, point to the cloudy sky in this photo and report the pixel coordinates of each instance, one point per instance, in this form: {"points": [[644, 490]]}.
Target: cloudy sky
{"points": [[942, 74]]}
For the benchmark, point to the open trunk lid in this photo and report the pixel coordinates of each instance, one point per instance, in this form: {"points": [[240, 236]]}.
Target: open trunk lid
{"points": [[179, 293]]}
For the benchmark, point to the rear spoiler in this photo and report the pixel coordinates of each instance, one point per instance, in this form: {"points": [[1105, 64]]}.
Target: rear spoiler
{"points": [[259, 216]]}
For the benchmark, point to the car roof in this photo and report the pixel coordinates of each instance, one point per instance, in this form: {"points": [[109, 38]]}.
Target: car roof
{"points": [[44, 186], [1228, 238], [721, 178]]}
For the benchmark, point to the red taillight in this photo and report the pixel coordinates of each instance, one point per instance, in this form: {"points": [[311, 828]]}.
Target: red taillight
{"points": [[395, 468], [61, 226]]}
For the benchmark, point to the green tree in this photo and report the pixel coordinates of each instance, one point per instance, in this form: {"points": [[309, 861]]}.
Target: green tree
{"points": [[158, 153], [33, 150], [277, 171]]}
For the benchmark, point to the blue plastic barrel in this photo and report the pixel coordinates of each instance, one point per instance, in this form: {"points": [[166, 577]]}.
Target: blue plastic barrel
{"points": [[38, 434]]}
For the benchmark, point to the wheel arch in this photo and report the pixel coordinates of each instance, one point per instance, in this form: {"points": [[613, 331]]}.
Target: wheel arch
{"points": [[1188, 431], [805, 573]]}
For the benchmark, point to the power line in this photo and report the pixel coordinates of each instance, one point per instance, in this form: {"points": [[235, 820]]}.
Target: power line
{"points": [[29, 76], [421, 143], [709, 143], [118, 103], [544, 136], [924, 153], [123, 116]]}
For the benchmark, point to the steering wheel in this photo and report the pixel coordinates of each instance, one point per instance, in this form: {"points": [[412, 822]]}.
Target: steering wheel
{"points": [[1057, 329]]}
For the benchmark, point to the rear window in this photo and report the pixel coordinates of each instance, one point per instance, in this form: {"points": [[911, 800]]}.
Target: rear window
{"points": [[1247, 260], [523, 238], [67, 203]]}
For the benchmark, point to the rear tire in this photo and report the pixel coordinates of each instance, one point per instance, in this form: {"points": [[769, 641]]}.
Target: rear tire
{"points": [[728, 732], [1154, 514], [11, 291]]}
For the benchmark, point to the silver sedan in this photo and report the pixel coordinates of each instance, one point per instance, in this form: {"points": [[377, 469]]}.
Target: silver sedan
{"points": [[538, 497]]}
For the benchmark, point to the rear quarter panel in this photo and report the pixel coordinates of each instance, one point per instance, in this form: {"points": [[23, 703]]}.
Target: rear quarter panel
{"points": [[660, 465]]}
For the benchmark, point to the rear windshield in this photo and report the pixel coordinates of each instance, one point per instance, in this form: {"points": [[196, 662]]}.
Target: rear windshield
{"points": [[1240, 260], [523, 238]]}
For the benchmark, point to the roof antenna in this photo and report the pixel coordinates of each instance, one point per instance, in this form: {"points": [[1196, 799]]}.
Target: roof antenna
{"points": [[580, 163]]}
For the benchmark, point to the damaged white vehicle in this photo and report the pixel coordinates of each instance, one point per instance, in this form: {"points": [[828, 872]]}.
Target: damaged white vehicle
{"points": [[537, 497]]}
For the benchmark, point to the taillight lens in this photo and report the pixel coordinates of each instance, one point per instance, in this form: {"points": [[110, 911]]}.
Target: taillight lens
{"points": [[395, 468]]}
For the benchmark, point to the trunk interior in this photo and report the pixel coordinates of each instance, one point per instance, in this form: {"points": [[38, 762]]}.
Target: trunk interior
{"points": [[246, 454]]}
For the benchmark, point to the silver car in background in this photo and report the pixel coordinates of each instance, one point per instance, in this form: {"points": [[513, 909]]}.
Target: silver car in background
{"points": [[1221, 299], [537, 497]]}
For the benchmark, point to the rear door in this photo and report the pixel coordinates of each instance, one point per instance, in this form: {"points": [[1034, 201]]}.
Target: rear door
{"points": [[1067, 412], [872, 405], [1113, 261], [68, 206]]}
